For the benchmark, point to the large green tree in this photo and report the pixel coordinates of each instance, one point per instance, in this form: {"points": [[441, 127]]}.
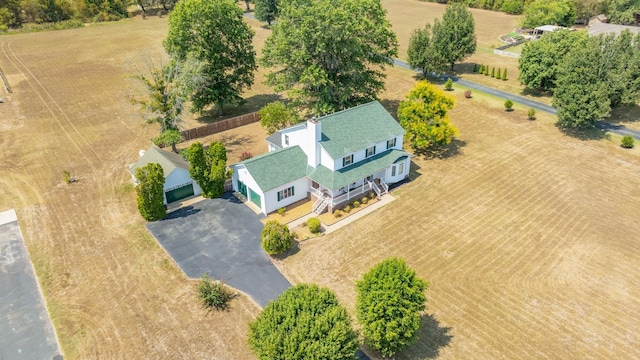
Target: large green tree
{"points": [[267, 10], [150, 192], [549, 12], [580, 96], [213, 32], [330, 54], [422, 54], [389, 300], [623, 11], [540, 59], [424, 116], [600, 73], [305, 322], [455, 37]]}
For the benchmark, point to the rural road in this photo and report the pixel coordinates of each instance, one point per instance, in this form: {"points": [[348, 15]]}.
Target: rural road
{"points": [[602, 125]]}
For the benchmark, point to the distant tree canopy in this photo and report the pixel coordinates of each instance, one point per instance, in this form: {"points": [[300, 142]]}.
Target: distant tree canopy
{"points": [[539, 61], [446, 42], [277, 115], [514, 7], [623, 11], [330, 55], [549, 12], [598, 74], [305, 322], [267, 10], [14, 13], [213, 32]]}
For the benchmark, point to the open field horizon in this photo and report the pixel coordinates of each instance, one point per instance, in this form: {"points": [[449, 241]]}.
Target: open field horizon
{"points": [[528, 237]]}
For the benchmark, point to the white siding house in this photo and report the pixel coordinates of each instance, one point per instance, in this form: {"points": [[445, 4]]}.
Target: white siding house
{"points": [[333, 159], [178, 184]]}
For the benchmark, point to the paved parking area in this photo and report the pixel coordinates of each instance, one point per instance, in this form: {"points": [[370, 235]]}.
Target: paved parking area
{"points": [[221, 237], [26, 331]]}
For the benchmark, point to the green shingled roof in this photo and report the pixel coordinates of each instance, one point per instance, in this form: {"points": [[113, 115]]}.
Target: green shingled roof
{"points": [[357, 128], [334, 180], [277, 167], [168, 160]]}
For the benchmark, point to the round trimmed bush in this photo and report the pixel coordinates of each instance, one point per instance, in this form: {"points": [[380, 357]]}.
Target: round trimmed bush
{"points": [[627, 142], [276, 238], [314, 225]]}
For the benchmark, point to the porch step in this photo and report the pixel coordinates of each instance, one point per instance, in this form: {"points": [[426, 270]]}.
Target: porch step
{"points": [[320, 205]]}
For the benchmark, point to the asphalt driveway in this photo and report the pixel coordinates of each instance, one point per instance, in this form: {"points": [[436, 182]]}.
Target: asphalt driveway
{"points": [[221, 237]]}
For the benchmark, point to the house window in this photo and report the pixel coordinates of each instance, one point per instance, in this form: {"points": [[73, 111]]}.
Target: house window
{"points": [[391, 143], [393, 170], [370, 151], [401, 169], [286, 139], [283, 194], [347, 160]]}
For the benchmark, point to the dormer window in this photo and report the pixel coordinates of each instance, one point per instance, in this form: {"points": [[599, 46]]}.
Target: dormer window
{"points": [[347, 160], [370, 151], [286, 139], [391, 143]]}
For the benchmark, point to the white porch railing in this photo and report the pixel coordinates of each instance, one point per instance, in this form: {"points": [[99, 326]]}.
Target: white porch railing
{"points": [[316, 192], [384, 186], [351, 194], [375, 188]]}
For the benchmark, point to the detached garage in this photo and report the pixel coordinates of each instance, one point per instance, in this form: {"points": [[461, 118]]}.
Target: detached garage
{"points": [[177, 182]]}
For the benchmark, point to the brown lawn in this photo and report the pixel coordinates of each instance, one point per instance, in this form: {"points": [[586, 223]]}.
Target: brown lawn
{"points": [[527, 236]]}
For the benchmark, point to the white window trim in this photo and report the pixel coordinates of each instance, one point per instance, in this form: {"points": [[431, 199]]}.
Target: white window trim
{"points": [[285, 193], [389, 144], [366, 152]]}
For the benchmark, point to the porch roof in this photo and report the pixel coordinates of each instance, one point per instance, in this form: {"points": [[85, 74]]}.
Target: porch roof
{"points": [[277, 167], [334, 180]]}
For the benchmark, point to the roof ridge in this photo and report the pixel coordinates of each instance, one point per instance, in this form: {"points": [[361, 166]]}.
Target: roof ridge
{"points": [[348, 109], [262, 156]]}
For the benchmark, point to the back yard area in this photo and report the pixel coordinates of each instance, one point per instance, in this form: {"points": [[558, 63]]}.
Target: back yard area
{"points": [[527, 236]]}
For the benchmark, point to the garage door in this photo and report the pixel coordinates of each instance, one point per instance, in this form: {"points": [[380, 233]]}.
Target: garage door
{"points": [[255, 198], [179, 193]]}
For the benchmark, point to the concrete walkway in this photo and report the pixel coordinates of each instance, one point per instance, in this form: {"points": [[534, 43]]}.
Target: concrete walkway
{"points": [[26, 331], [328, 229]]}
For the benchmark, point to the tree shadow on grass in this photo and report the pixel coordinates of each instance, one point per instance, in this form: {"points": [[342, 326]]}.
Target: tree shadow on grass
{"points": [[586, 134], [391, 105], [535, 93], [431, 338], [443, 152], [249, 105], [235, 140]]}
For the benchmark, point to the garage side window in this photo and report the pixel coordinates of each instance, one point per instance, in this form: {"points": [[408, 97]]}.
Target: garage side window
{"points": [[283, 194]]}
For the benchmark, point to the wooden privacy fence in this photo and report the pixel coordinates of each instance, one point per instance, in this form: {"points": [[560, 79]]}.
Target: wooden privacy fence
{"points": [[220, 126]]}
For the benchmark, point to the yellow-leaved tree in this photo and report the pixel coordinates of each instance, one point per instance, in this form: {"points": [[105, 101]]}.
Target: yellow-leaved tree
{"points": [[424, 116]]}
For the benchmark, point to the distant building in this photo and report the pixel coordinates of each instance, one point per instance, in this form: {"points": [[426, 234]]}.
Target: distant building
{"points": [[540, 30], [598, 19]]}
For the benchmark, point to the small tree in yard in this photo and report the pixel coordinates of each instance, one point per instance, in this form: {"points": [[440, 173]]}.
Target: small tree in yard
{"points": [[276, 238], [266, 10], [493, 72], [504, 75], [213, 294], [150, 192], [276, 115], [169, 137], [508, 105], [448, 85], [208, 168], [389, 300], [531, 114], [305, 322], [424, 116], [627, 142], [498, 76]]}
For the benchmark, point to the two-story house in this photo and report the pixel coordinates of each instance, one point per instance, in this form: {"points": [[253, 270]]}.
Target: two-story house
{"points": [[333, 159]]}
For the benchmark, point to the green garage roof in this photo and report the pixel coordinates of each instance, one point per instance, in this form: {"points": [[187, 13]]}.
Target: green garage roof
{"points": [[334, 180], [357, 128], [277, 167]]}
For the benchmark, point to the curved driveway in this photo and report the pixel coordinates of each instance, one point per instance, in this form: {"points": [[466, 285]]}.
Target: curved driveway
{"points": [[221, 237]]}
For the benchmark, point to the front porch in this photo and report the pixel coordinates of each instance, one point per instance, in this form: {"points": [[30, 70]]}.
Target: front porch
{"points": [[326, 199]]}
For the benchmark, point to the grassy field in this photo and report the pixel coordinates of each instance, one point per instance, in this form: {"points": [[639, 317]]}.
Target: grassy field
{"points": [[526, 235]]}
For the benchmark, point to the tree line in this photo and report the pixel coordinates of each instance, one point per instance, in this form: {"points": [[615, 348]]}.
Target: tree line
{"points": [[588, 75], [618, 11]]}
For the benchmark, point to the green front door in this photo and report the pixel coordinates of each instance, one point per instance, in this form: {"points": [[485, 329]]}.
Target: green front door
{"points": [[255, 198], [179, 193], [242, 188]]}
